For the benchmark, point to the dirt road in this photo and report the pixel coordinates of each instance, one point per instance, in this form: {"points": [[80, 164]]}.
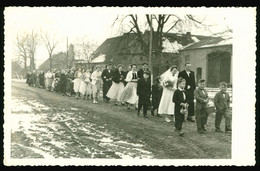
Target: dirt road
{"points": [[49, 125]]}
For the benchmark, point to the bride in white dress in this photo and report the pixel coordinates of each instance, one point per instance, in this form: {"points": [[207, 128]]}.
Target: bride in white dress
{"points": [[166, 105]]}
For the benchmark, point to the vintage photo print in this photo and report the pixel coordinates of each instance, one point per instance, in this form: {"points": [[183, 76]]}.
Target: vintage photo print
{"points": [[129, 86]]}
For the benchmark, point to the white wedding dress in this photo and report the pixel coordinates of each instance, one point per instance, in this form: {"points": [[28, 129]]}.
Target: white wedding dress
{"points": [[166, 105]]}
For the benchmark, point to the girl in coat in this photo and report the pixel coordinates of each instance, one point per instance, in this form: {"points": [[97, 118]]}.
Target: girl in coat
{"points": [[118, 86]]}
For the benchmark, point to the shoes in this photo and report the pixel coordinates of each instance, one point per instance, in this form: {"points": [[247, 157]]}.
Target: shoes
{"points": [[204, 129], [218, 130], [190, 120], [167, 120], [228, 130], [145, 116], [138, 113], [181, 133], [152, 112], [201, 132], [95, 102], [159, 116]]}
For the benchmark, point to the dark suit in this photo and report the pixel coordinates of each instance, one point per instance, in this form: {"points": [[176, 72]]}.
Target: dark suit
{"points": [[178, 98], [107, 82], [190, 81], [140, 73], [144, 93], [201, 115], [156, 95], [222, 109]]}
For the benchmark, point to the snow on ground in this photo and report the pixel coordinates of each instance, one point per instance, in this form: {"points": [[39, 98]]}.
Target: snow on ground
{"points": [[48, 131]]}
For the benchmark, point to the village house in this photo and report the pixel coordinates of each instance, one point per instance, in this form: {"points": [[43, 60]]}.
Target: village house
{"points": [[211, 59], [127, 49]]}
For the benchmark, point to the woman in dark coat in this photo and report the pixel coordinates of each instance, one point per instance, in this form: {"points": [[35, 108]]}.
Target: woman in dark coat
{"points": [[118, 86], [29, 78], [42, 79], [69, 83], [63, 82]]}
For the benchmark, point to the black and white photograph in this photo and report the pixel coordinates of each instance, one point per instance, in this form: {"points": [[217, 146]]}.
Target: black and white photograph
{"points": [[129, 86]]}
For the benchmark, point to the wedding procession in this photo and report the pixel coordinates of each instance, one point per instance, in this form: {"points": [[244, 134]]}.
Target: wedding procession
{"points": [[149, 86], [174, 95]]}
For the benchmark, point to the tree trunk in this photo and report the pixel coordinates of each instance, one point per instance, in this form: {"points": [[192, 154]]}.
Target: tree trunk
{"points": [[50, 61]]}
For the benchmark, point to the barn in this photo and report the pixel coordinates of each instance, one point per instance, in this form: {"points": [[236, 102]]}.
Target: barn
{"points": [[211, 59]]}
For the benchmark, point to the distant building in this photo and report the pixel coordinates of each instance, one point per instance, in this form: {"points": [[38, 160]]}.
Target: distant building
{"points": [[127, 49], [211, 59], [60, 60], [17, 71]]}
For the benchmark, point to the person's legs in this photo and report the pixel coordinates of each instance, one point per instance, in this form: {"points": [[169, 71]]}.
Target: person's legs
{"points": [[145, 108], [218, 119], [190, 99], [204, 119], [199, 119], [227, 120], [139, 108], [179, 118]]}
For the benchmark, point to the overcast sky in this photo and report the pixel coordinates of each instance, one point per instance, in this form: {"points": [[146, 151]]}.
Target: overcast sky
{"points": [[94, 23]]}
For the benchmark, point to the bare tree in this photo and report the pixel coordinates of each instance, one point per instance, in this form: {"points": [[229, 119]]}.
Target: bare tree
{"points": [[21, 50], [84, 48], [50, 42], [31, 44]]}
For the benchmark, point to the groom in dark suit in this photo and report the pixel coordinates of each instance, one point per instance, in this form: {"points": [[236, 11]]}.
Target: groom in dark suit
{"points": [[188, 75]]}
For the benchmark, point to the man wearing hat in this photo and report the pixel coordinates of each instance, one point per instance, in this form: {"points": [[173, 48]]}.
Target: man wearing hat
{"points": [[188, 75]]}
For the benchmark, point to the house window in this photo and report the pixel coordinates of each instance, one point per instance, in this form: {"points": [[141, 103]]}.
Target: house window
{"points": [[187, 58], [198, 74]]}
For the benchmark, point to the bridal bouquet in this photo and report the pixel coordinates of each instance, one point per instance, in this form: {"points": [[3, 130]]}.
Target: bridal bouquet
{"points": [[168, 84]]}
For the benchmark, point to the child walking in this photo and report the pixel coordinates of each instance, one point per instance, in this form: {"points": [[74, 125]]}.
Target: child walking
{"points": [[222, 103], [181, 105], [202, 100], [144, 93], [156, 95]]}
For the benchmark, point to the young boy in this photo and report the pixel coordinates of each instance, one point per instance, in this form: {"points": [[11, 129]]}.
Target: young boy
{"points": [[144, 93], [202, 100], [156, 95], [222, 102], [180, 100]]}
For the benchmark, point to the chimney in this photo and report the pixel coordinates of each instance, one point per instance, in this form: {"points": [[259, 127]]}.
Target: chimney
{"points": [[188, 37]]}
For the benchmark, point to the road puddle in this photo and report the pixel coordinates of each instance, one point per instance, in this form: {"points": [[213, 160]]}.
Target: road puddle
{"points": [[64, 133]]}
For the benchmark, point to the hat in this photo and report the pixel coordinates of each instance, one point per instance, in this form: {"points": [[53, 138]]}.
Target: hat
{"points": [[202, 80]]}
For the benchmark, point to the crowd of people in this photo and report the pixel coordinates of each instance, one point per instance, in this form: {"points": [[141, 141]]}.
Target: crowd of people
{"points": [[172, 95]]}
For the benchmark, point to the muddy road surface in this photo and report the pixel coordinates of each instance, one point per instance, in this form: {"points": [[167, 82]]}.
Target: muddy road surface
{"points": [[49, 125]]}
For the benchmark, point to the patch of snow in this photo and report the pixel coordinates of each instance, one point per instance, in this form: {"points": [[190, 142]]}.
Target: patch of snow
{"points": [[195, 39], [223, 42], [171, 47], [100, 58]]}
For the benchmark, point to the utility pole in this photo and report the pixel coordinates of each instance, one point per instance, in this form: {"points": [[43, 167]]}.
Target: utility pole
{"points": [[151, 48], [67, 55]]}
